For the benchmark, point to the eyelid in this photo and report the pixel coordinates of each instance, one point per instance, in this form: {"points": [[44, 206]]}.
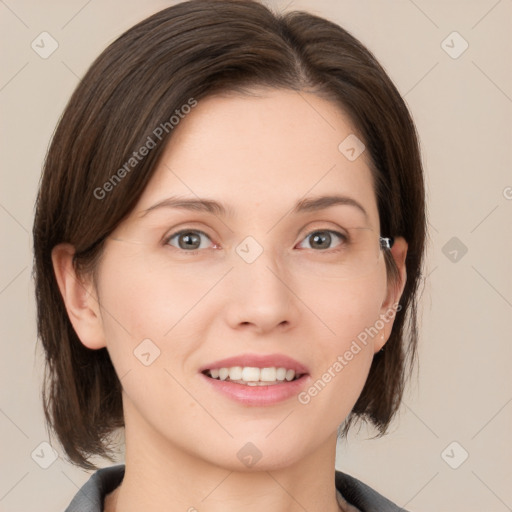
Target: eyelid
{"points": [[188, 225], [322, 226]]}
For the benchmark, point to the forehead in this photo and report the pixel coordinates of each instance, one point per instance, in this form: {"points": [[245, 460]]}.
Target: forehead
{"points": [[265, 150]]}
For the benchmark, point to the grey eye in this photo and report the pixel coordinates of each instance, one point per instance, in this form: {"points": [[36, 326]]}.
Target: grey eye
{"points": [[322, 239], [188, 240]]}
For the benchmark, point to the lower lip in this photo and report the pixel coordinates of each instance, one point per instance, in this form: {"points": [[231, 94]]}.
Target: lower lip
{"points": [[258, 395]]}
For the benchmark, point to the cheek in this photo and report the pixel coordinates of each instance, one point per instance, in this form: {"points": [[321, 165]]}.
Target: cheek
{"points": [[141, 301], [349, 310], [144, 298], [345, 349], [147, 315]]}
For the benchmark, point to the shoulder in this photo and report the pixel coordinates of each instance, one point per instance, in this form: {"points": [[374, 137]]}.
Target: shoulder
{"points": [[91, 496], [362, 496]]}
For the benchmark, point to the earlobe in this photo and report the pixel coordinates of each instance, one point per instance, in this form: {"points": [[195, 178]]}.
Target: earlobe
{"points": [[395, 288], [79, 297]]}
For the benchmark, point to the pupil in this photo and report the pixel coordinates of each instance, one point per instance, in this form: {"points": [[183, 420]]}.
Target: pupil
{"points": [[189, 240], [321, 240]]}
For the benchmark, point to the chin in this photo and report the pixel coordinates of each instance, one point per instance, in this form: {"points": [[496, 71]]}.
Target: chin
{"points": [[252, 453]]}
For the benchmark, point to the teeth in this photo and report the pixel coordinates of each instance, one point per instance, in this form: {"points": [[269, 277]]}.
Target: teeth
{"points": [[235, 373], [290, 375], [280, 373], [250, 374], [253, 376], [268, 374]]}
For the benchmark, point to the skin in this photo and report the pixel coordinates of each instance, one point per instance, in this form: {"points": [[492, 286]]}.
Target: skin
{"points": [[257, 155]]}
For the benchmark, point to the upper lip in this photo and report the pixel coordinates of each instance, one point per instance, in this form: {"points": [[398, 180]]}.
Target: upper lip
{"points": [[258, 361]]}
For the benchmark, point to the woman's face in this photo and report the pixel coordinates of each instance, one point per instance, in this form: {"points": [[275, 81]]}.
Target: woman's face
{"points": [[245, 282]]}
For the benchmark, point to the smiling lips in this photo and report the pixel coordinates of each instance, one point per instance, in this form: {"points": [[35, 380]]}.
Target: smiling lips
{"points": [[253, 376], [253, 370]]}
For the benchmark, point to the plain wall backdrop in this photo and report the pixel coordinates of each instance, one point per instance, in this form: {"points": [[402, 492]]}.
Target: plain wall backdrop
{"points": [[450, 449]]}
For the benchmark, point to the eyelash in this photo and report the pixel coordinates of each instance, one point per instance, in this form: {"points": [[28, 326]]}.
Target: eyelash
{"points": [[341, 236]]}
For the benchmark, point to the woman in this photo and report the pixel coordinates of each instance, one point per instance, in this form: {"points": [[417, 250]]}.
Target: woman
{"points": [[228, 238]]}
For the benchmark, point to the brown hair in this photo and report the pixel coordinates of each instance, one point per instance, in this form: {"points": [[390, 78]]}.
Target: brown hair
{"points": [[192, 50]]}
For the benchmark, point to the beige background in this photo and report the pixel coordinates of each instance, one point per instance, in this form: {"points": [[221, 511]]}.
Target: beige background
{"points": [[463, 110]]}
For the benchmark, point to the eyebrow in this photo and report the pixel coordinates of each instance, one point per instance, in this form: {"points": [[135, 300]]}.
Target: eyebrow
{"points": [[210, 206]]}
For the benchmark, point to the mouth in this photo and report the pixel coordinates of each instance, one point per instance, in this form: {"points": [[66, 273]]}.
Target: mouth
{"points": [[253, 375], [256, 379]]}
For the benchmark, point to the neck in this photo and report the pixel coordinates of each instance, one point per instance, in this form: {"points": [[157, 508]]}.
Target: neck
{"points": [[160, 475]]}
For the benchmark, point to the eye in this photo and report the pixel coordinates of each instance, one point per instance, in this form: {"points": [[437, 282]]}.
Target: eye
{"points": [[188, 240], [193, 239], [322, 239]]}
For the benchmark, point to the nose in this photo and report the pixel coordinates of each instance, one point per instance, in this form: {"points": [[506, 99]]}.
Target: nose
{"points": [[261, 297]]}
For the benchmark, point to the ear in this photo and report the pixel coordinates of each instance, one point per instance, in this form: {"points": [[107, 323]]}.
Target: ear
{"points": [[79, 297], [394, 292]]}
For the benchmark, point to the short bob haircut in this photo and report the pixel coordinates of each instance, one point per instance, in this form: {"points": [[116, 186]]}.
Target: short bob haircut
{"points": [[192, 50]]}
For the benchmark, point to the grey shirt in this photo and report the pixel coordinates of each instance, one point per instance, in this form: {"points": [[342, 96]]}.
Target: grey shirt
{"points": [[351, 491]]}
